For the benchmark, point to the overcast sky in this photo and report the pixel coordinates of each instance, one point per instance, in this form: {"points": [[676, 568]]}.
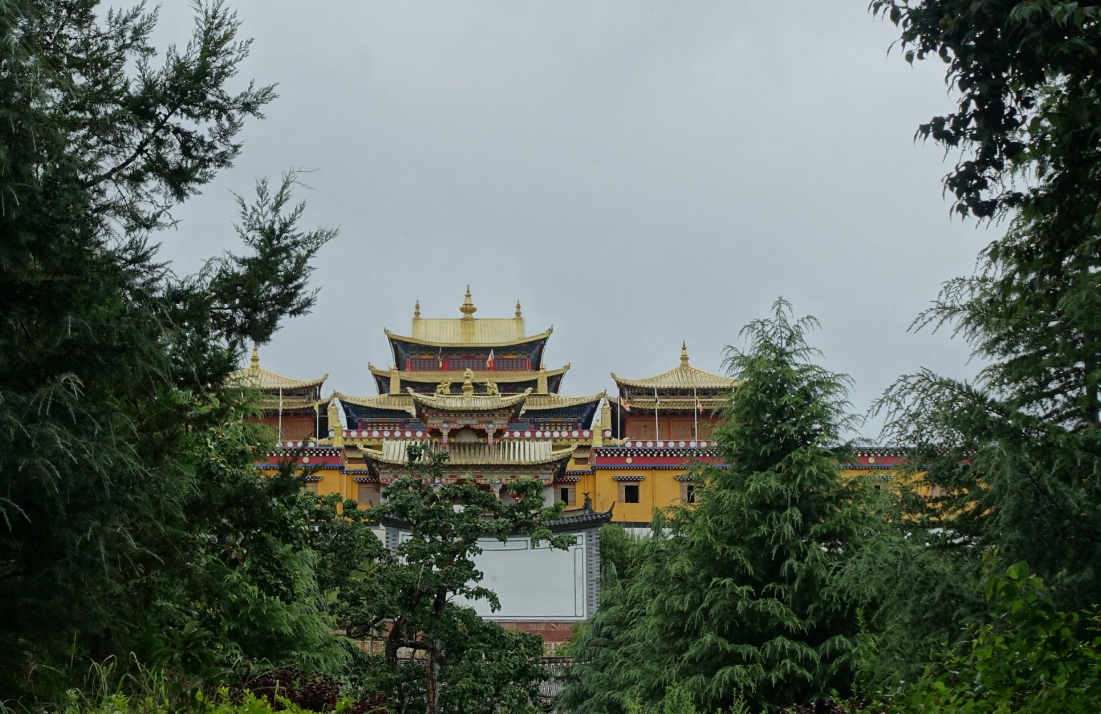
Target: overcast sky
{"points": [[635, 173]]}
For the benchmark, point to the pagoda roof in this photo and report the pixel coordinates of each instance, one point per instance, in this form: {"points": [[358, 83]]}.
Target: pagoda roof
{"points": [[520, 452], [468, 330], [455, 332], [436, 376], [256, 376], [684, 376], [394, 402], [469, 402], [541, 402]]}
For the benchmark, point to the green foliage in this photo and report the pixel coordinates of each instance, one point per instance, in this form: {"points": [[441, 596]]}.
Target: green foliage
{"points": [[678, 701], [129, 504], [1016, 452], [737, 596], [1025, 658], [916, 586], [406, 597], [604, 650], [1027, 76], [219, 703]]}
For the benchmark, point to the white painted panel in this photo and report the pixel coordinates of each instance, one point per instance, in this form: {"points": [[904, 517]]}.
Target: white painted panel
{"points": [[532, 583]]}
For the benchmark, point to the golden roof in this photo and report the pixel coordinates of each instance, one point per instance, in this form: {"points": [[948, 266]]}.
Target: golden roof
{"points": [[468, 330], [436, 376], [684, 376], [521, 452], [481, 332], [397, 402], [469, 402], [259, 378], [539, 402]]}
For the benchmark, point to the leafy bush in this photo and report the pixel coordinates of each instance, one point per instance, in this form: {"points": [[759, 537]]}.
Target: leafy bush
{"points": [[1027, 659], [222, 703], [314, 691]]}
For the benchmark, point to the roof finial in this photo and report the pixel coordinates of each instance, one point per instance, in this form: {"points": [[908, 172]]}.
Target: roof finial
{"points": [[255, 356], [684, 352], [518, 313], [417, 310], [468, 308]]}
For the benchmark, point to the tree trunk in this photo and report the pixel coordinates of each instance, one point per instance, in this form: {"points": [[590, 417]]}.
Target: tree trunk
{"points": [[430, 685], [393, 643]]}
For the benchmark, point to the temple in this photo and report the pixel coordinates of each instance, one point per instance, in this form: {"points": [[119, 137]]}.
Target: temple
{"points": [[478, 389]]}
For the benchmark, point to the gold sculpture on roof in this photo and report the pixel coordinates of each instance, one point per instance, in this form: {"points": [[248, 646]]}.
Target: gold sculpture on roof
{"points": [[444, 387], [467, 308], [468, 382], [491, 389], [684, 352]]}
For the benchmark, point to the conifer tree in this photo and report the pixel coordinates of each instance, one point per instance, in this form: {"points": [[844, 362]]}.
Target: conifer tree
{"points": [[1013, 455], [128, 501], [738, 592]]}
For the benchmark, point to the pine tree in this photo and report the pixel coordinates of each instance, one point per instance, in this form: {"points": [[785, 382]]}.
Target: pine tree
{"points": [[1012, 455], [128, 500], [738, 592]]}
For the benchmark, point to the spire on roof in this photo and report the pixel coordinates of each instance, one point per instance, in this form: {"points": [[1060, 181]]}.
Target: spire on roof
{"points": [[684, 353], [468, 308], [417, 310], [255, 355], [518, 313]]}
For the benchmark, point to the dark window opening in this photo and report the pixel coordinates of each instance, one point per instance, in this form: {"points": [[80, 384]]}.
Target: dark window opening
{"points": [[630, 493], [690, 494]]}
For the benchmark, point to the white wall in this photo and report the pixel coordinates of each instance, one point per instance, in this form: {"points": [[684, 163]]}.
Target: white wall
{"points": [[533, 583]]}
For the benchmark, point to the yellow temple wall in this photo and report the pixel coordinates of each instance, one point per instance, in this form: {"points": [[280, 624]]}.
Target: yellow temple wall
{"points": [[658, 489], [334, 481]]}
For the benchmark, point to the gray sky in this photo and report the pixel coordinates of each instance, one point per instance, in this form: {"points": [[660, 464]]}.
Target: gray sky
{"points": [[637, 174]]}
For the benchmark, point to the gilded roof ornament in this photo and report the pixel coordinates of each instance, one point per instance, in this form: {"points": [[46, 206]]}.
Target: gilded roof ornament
{"points": [[518, 313], [255, 355], [468, 308], [468, 383], [417, 310], [684, 353]]}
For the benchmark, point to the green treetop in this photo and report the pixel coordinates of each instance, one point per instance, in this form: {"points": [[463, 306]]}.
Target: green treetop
{"points": [[737, 594]]}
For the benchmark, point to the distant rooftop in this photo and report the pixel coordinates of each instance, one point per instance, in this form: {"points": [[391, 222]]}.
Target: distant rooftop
{"points": [[259, 378], [683, 376]]}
